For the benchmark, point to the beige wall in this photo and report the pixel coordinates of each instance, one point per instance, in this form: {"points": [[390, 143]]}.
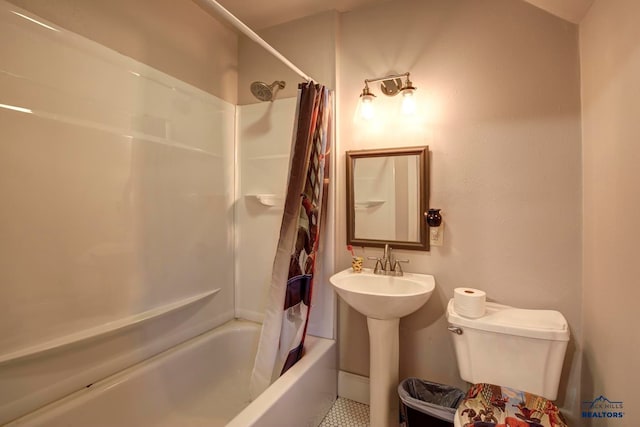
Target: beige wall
{"points": [[173, 36], [610, 66], [310, 43], [498, 85]]}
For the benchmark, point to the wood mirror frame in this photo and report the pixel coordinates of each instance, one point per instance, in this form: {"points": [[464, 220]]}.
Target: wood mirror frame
{"points": [[422, 243]]}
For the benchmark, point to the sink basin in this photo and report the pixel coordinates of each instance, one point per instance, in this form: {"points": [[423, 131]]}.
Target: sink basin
{"points": [[383, 297]]}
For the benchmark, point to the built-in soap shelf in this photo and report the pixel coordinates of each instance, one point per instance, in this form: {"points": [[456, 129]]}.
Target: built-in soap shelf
{"points": [[104, 329], [270, 200], [366, 204]]}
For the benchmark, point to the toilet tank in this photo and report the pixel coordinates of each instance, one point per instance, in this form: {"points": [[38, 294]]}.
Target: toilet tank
{"points": [[512, 347]]}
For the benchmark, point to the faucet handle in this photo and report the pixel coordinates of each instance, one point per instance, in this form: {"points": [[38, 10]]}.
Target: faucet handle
{"points": [[397, 268], [378, 269]]}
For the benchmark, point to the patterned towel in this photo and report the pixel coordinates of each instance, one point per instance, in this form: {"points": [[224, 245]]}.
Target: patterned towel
{"points": [[488, 405]]}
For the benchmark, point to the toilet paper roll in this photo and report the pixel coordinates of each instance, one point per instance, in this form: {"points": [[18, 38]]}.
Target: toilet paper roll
{"points": [[469, 302]]}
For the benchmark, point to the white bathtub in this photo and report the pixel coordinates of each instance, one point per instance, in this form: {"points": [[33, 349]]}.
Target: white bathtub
{"points": [[203, 382]]}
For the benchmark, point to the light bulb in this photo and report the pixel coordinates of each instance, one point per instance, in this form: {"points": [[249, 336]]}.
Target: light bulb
{"points": [[367, 110], [408, 102]]}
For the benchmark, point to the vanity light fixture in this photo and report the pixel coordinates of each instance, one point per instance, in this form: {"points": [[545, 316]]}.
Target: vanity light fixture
{"points": [[390, 85]]}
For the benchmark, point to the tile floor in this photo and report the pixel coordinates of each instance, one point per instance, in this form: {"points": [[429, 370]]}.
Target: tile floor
{"points": [[347, 413]]}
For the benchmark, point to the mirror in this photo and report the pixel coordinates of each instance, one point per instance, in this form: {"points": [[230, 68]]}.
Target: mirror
{"points": [[387, 197]]}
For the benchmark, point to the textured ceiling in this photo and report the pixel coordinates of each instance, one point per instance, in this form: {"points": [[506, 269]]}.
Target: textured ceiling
{"points": [[259, 14]]}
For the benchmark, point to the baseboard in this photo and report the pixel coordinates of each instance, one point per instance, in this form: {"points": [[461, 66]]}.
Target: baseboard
{"points": [[353, 387]]}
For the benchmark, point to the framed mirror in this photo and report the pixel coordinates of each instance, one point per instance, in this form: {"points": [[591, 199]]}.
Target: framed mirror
{"points": [[387, 197]]}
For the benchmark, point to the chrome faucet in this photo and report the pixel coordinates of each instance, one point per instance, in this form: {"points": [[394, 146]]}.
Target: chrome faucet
{"points": [[387, 259], [388, 265]]}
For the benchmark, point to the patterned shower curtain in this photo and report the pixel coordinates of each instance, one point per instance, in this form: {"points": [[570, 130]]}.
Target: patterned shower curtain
{"points": [[290, 294]]}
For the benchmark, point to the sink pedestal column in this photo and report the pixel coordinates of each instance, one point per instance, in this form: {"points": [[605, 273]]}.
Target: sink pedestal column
{"points": [[384, 344]]}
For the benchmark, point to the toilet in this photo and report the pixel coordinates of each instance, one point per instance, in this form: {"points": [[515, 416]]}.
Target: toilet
{"points": [[513, 357]]}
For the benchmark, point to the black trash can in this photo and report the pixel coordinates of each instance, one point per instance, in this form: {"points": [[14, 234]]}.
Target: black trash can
{"points": [[423, 403]]}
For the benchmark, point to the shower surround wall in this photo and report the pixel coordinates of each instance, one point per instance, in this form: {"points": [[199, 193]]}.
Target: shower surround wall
{"points": [[264, 141], [264, 133], [117, 188]]}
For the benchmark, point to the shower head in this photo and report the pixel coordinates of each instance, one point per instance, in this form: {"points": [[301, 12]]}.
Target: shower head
{"points": [[265, 92]]}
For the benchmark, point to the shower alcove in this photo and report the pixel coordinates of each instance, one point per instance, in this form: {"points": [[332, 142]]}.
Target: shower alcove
{"points": [[141, 190]]}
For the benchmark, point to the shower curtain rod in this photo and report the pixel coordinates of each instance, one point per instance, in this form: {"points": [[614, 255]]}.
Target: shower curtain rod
{"points": [[230, 17]]}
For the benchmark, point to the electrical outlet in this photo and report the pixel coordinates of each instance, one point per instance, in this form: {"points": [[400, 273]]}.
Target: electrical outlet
{"points": [[436, 235]]}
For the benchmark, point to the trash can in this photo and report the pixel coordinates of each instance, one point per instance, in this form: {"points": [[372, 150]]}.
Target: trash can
{"points": [[424, 403]]}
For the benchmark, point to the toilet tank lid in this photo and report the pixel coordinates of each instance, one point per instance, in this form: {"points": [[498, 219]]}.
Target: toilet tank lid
{"points": [[541, 324]]}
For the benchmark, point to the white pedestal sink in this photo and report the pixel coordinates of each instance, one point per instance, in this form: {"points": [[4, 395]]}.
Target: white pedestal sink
{"points": [[384, 300]]}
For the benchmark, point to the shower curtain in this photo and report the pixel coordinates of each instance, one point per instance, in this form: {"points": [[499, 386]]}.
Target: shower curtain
{"points": [[285, 323]]}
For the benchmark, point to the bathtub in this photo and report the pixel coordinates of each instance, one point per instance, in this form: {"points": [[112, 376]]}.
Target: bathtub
{"points": [[203, 382]]}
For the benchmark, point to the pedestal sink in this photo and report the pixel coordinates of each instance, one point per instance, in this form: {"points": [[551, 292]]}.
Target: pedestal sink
{"points": [[384, 300]]}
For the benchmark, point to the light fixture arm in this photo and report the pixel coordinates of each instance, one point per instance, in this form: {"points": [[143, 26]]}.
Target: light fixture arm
{"points": [[390, 85], [389, 77]]}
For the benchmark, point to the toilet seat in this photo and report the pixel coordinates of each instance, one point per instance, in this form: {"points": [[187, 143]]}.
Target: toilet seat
{"points": [[488, 405]]}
